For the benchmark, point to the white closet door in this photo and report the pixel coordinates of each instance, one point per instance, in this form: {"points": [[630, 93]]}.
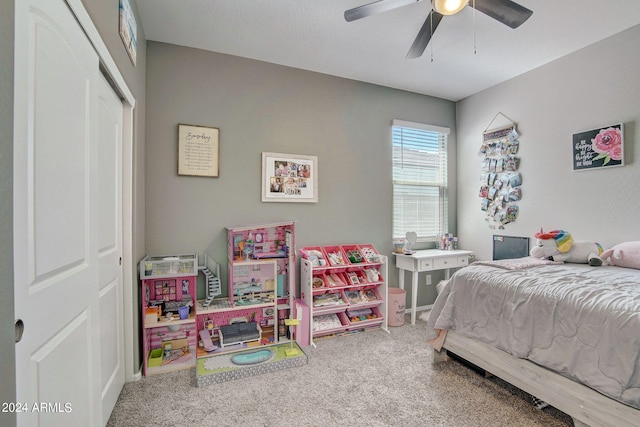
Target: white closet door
{"points": [[60, 285], [109, 219]]}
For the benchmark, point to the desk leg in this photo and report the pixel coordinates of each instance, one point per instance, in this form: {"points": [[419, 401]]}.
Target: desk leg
{"points": [[414, 296], [414, 291]]}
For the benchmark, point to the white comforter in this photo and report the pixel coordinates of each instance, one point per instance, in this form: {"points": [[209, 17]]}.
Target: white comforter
{"points": [[580, 321]]}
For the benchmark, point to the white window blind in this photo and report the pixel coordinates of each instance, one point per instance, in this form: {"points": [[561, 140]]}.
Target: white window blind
{"points": [[419, 180]]}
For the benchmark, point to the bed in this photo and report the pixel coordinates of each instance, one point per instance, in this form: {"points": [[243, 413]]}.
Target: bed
{"points": [[568, 334]]}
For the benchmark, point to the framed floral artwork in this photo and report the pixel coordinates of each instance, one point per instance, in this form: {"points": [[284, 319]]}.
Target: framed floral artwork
{"points": [[598, 148]]}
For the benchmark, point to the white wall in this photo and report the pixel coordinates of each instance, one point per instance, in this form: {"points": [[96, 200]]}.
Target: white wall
{"points": [[594, 87]]}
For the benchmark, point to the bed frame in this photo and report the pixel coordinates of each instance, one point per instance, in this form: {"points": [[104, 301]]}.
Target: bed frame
{"points": [[586, 406]]}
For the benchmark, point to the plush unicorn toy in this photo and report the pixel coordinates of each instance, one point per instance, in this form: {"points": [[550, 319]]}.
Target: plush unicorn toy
{"points": [[558, 245]]}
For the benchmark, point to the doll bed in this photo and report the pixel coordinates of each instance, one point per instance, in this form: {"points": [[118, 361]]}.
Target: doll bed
{"points": [[569, 334]]}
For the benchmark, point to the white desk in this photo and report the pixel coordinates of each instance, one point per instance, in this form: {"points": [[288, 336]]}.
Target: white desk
{"points": [[427, 260]]}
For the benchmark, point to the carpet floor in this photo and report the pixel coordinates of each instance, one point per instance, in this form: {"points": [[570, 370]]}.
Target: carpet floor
{"points": [[371, 379]]}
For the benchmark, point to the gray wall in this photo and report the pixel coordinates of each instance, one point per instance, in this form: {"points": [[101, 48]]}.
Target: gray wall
{"points": [[594, 87], [261, 107], [7, 336]]}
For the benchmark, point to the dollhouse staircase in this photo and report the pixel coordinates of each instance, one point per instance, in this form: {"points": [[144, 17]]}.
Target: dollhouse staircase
{"points": [[211, 271]]}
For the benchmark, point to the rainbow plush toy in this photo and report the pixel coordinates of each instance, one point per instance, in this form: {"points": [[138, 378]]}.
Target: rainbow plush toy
{"points": [[558, 245]]}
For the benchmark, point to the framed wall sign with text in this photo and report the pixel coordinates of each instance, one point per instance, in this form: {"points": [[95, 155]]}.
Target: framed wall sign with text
{"points": [[598, 148], [198, 149]]}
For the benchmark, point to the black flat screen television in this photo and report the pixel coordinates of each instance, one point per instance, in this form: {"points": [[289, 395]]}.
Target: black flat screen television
{"points": [[508, 247]]}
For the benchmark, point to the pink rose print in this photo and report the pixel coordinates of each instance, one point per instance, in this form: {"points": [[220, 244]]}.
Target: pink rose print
{"points": [[608, 142]]}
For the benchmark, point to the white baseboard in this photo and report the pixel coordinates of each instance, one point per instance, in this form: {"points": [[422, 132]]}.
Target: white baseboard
{"points": [[424, 307]]}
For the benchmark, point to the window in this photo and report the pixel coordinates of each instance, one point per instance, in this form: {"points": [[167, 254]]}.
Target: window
{"points": [[419, 180]]}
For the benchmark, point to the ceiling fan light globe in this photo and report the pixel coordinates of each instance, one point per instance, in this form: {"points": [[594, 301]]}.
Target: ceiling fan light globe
{"points": [[449, 7]]}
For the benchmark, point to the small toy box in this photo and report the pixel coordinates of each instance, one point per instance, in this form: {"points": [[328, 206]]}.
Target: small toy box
{"points": [[169, 266]]}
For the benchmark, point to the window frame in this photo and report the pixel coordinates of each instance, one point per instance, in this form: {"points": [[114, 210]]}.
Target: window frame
{"points": [[420, 184]]}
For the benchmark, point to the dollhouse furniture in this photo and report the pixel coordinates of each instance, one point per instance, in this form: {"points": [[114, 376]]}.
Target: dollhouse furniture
{"points": [[252, 357], [238, 333], [291, 351], [427, 260], [211, 272], [342, 288], [168, 288]]}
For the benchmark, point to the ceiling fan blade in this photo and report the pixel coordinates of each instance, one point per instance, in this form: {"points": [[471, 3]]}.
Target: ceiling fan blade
{"points": [[505, 11], [424, 35], [375, 8]]}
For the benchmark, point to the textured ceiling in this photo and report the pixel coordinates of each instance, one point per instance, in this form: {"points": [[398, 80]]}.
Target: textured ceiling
{"points": [[313, 35]]}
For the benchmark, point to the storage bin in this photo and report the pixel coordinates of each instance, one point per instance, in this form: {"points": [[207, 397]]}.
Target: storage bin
{"points": [[335, 279], [328, 299], [363, 297], [315, 255], [353, 254], [364, 317], [336, 255], [396, 304], [318, 282], [370, 253]]}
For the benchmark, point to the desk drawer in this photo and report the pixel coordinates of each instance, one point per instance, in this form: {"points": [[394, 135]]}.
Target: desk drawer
{"points": [[405, 262], [425, 264], [450, 262], [463, 260]]}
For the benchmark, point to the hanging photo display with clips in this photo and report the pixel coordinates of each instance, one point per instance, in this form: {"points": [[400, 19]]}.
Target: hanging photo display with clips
{"points": [[500, 180]]}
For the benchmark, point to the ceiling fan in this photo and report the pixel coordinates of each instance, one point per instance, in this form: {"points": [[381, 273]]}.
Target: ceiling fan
{"points": [[506, 11]]}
